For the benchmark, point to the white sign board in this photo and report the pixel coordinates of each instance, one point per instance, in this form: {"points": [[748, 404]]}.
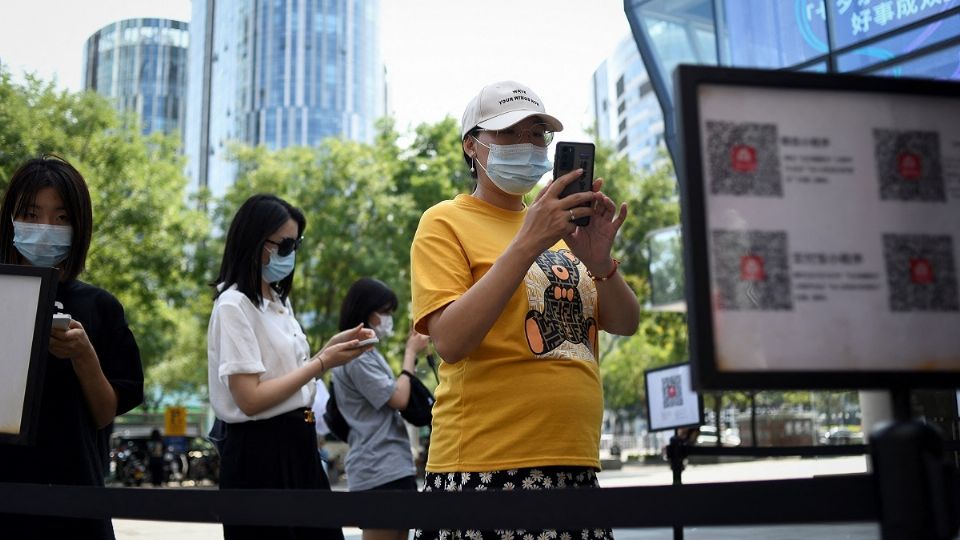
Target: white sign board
{"points": [[671, 400], [18, 309], [824, 225]]}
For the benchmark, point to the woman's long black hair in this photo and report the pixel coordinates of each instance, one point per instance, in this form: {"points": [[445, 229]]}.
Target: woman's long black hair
{"points": [[49, 171], [364, 297], [258, 218]]}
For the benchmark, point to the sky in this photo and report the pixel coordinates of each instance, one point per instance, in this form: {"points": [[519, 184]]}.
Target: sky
{"points": [[438, 53]]}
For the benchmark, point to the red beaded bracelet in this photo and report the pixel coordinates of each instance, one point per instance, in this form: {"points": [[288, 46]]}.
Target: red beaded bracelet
{"points": [[616, 264]]}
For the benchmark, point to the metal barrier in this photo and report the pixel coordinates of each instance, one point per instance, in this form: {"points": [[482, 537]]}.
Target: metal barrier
{"points": [[917, 494], [894, 496], [741, 503]]}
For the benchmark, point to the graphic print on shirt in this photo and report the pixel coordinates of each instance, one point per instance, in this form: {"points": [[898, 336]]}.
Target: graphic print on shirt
{"points": [[561, 322]]}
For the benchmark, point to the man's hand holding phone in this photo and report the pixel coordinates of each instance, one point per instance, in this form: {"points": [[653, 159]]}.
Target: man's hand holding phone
{"points": [[550, 218], [571, 156]]}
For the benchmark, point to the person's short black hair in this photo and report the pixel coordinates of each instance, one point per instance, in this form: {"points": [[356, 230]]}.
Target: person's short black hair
{"points": [[365, 296], [259, 217], [48, 171]]}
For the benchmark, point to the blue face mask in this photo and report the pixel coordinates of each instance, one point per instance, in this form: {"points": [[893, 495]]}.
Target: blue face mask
{"points": [[278, 267], [516, 168], [42, 245]]}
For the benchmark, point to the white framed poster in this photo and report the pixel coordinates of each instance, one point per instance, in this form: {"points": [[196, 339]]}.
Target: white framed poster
{"points": [[671, 400], [26, 309], [822, 229]]}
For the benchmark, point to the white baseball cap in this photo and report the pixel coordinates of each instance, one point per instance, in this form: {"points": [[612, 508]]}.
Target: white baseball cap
{"points": [[503, 104]]}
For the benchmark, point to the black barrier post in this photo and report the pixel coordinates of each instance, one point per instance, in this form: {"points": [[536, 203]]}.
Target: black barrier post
{"points": [[916, 499], [677, 452]]}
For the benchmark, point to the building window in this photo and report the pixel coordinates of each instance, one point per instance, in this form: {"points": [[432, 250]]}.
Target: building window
{"points": [[622, 144], [622, 107], [645, 88], [623, 125], [620, 86]]}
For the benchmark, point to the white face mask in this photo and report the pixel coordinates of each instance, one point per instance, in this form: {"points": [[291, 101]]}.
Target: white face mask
{"points": [[41, 244], [385, 328], [516, 168]]}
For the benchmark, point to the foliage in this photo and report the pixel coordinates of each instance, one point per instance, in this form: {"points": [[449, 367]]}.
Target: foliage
{"points": [[362, 201], [661, 338], [143, 225]]}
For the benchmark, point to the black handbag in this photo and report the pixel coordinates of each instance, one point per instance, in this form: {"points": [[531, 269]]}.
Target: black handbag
{"points": [[218, 435], [419, 411], [334, 419]]}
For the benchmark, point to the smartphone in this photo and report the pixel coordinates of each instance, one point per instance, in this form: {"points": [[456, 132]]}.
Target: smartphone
{"points": [[61, 321], [365, 342], [570, 156]]}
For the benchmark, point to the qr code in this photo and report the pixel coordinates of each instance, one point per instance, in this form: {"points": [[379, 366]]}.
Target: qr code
{"points": [[743, 159], [908, 165], [672, 396], [921, 273], [752, 270]]}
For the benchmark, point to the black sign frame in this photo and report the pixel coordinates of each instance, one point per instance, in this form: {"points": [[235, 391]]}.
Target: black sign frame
{"points": [[42, 322]]}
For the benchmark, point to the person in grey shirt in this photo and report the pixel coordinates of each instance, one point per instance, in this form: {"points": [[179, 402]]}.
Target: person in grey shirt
{"points": [[370, 398]]}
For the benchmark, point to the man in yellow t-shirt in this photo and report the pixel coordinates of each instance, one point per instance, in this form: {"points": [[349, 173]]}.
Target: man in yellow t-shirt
{"points": [[553, 392], [513, 297]]}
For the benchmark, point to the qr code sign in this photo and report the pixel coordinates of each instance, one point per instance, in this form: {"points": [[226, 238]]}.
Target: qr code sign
{"points": [[921, 273], [743, 159], [908, 165], [672, 397], [752, 270]]}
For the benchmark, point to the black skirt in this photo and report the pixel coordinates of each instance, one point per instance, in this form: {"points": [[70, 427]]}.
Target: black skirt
{"points": [[277, 453]]}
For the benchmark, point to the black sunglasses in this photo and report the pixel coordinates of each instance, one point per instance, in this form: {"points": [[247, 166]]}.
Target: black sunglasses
{"points": [[286, 246]]}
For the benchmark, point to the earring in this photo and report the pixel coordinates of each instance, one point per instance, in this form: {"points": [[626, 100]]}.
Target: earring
{"points": [[472, 168]]}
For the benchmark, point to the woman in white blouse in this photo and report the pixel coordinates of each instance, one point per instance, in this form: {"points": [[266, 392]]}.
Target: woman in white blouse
{"points": [[261, 373]]}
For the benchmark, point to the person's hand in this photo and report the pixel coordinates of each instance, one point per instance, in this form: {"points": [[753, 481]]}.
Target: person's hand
{"points": [[72, 343], [339, 354], [550, 218], [358, 333], [417, 342], [592, 244]]}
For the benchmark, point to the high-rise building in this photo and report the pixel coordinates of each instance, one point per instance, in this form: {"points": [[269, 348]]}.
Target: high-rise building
{"points": [[279, 73], [625, 109], [893, 38], [141, 65]]}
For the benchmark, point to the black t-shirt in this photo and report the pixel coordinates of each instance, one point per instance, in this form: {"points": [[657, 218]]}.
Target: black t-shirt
{"points": [[69, 447]]}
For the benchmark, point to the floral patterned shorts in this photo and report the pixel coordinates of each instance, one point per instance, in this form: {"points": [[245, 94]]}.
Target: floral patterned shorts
{"points": [[534, 478]]}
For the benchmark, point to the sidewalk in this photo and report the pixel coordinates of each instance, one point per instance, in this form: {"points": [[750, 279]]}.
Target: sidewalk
{"points": [[630, 475]]}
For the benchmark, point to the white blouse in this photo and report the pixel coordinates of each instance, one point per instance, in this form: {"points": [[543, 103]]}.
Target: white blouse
{"points": [[245, 338]]}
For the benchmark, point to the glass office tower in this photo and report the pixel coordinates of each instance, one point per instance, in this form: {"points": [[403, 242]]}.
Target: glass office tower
{"points": [[279, 73], [141, 65], [625, 108], [895, 38]]}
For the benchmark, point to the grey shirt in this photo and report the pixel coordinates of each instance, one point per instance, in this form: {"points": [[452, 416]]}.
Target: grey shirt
{"points": [[379, 446]]}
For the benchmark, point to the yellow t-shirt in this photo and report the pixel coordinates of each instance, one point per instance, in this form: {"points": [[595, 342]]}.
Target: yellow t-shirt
{"points": [[530, 394]]}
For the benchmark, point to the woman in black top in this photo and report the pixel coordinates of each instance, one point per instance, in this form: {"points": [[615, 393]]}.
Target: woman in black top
{"points": [[93, 371]]}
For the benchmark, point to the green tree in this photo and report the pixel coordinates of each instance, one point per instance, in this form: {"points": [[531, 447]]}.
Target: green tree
{"points": [[144, 227], [661, 338], [362, 203]]}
